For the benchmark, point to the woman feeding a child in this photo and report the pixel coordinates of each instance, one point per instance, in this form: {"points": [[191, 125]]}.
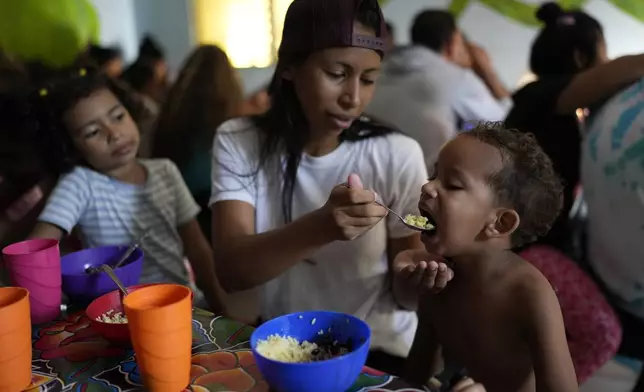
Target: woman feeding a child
{"points": [[298, 219]]}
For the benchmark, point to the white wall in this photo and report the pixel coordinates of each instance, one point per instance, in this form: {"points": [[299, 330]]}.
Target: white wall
{"points": [[118, 25], [509, 42], [169, 21], [125, 22]]}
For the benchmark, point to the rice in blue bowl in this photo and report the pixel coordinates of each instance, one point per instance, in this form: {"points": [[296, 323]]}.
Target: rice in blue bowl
{"points": [[313, 351]]}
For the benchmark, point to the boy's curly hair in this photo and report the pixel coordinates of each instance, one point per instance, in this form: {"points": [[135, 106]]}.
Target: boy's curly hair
{"points": [[47, 105], [527, 183]]}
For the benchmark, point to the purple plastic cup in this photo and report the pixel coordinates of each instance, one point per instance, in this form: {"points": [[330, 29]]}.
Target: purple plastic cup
{"points": [[82, 288], [35, 266]]}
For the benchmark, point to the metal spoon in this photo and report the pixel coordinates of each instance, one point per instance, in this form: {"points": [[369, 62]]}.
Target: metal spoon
{"points": [[110, 272], [92, 270], [130, 249], [397, 215], [403, 219]]}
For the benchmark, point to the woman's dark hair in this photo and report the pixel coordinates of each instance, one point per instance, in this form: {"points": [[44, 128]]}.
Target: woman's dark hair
{"points": [[285, 129], [49, 102], [567, 38], [206, 93], [433, 29], [102, 55]]}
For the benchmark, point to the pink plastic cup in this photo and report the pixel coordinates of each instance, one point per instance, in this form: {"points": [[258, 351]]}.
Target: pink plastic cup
{"points": [[35, 266]]}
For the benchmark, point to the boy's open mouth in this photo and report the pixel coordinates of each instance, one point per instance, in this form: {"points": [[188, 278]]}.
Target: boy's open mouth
{"points": [[430, 219]]}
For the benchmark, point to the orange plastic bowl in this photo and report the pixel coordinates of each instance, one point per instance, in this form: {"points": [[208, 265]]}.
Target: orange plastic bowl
{"points": [[114, 333]]}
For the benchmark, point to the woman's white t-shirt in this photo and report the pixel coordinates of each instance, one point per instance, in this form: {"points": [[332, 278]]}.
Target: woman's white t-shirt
{"points": [[349, 277]]}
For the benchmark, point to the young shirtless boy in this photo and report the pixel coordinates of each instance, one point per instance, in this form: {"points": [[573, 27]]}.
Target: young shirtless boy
{"points": [[493, 190]]}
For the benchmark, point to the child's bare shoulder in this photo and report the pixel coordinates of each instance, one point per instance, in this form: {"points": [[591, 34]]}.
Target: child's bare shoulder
{"points": [[530, 287], [526, 276]]}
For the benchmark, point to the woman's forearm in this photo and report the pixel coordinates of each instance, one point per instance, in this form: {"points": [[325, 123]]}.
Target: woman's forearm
{"points": [[252, 260], [600, 82]]}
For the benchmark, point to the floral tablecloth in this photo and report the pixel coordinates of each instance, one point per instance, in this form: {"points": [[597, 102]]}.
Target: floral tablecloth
{"points": [[69, 356]]}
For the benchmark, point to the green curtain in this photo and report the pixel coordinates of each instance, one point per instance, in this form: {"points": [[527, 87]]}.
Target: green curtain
{"points": [[524, 13], [54, 32], [513, 9], [634, 8]]}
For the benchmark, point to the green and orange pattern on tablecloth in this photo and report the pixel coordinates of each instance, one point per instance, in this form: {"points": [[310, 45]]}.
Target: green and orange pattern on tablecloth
{"points": [[70, 357]]}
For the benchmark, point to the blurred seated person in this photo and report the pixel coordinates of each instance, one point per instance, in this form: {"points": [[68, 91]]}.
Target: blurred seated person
{"points": [[257, 103], [429, 89], [108, 60], [206, 93], [391, 36], [148, 77], [476, 92], [569, 59], [25, 181], [613, 179], [149, 73]]}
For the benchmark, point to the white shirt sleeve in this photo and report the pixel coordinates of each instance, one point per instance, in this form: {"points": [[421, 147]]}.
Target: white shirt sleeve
{"points": [[186, 208], [235, 155], [473, 101], [68, 201], [406, 174]]}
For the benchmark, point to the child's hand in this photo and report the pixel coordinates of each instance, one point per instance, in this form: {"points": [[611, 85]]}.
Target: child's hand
{"points": [[468, 385], [422, 271]]}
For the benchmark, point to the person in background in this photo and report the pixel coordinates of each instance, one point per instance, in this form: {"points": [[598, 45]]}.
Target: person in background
{"points": [[149, 73], [108, 60], [148, 77], [257, 103], [25, 180], [206, 93], [391, 36], [427, 90], [613, 178], [295, 189], [569, 59], [86, 134], [476, 92]]}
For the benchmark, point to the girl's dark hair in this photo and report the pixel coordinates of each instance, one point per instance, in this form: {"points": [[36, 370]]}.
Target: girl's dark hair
{"points": [[566, 37], [284, 127], [49, 102], [206, 93]]}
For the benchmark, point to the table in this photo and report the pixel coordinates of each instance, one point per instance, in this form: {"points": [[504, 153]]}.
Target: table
{"points": [[69, 356]]}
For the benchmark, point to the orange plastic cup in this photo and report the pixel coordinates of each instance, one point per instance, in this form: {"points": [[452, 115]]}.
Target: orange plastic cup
{"points": [[15, 339], [160, 324]]}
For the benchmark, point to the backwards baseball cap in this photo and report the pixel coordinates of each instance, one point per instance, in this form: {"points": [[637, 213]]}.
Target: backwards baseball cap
{"points": [[313, 25]]}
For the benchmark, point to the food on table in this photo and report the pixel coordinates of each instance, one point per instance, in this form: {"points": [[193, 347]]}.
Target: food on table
{"points": [[418, 221], [290, 350], [112, 317]]}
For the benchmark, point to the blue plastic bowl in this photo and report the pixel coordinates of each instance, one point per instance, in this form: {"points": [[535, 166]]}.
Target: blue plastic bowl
{"points": [[334, 375], [83, 288]]}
